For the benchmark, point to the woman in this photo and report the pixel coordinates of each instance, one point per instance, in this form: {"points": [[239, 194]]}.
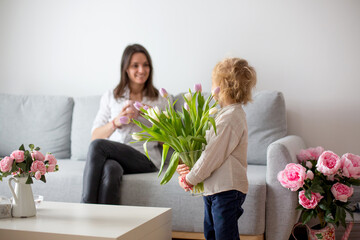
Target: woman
{"points": [[110, 154]]}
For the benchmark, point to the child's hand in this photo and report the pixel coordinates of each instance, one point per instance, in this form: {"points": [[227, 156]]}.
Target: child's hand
{"points": [[182, 169], [185, 185]]}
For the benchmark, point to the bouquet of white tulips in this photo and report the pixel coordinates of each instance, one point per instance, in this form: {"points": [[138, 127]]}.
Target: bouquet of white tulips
{"points": [[182, 131]]}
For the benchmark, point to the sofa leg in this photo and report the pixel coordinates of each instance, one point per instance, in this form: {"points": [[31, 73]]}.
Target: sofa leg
{"points": [[200, 236]]}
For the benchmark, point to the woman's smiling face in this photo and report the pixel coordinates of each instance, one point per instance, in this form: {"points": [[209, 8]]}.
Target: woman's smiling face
{"points": [[139, 69]]}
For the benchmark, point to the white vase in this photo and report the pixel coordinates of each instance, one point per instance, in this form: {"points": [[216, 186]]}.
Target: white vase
{"points": [[23, 204]]}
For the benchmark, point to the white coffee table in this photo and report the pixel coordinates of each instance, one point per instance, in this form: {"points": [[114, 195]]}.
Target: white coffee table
{"points": [[57, 220]]}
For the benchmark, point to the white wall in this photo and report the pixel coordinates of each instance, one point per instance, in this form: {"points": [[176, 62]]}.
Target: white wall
{"points": [[309, 50]]}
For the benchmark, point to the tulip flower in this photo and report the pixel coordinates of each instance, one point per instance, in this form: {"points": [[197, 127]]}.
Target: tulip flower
{"points": [[124, 120], [146, 107], [138, 105], [186, 106], [188, 96], [166, 114], [154, 113], [215, 91], [136, 137], [213, 111], [198, 87], [163, 93]]}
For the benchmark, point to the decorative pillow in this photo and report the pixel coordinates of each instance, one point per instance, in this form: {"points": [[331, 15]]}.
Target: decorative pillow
{"points": [[266, 120], [44, 121], [85, 110]]}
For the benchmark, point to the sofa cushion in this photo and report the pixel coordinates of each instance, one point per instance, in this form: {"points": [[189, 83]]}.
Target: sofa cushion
{"points": [[85, 109], [266, 119], [149, 192], [44, 121]]}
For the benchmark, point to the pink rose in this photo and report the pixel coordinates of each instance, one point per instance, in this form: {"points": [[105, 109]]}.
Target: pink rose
{"points": [[309, 175], [350, 164], [38, 166], [18, 155], [38, 175], [6, 164], [309, 154], [309, 204], [292, 176], [36, 155], [328, 163], [342, 192]]}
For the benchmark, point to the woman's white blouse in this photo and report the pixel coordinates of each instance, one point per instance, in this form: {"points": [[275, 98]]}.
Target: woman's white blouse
{"points": [[111, 107]]}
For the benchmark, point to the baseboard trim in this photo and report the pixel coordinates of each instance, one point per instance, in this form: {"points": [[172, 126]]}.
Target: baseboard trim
{"points": [[200, 236]]}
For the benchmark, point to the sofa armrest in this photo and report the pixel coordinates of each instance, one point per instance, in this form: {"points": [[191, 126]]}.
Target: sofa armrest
{"points": [[281, 202]]}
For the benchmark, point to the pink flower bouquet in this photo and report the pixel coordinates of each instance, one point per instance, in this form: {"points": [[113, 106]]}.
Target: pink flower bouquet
{"points": [[324, 183], [25, 163]]}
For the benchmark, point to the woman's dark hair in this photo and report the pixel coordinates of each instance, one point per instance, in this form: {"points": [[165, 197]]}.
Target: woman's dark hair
{"points": [[150, 90]]}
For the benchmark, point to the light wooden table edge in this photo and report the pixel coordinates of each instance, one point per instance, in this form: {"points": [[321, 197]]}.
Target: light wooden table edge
{"points": [[200, 236]]}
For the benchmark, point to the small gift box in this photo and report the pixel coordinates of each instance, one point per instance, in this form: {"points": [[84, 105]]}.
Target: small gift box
{"points": [[5, 207]]}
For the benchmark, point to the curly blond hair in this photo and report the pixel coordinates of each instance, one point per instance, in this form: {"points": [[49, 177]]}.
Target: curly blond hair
{"points": [[236, 79]]}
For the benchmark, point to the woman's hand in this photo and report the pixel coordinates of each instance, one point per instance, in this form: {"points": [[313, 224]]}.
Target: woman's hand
{"points": [[106, 130], [182, 169], [127, 111]]}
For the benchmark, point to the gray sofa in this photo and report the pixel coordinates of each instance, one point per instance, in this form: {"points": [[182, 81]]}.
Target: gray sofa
{"points": [[61, 125]]}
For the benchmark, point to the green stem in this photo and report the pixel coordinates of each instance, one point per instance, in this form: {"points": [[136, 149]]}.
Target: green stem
{"points": [[322, 220]]}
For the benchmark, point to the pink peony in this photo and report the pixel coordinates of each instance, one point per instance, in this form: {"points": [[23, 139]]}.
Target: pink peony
{"points": [[309, 175], [36, 155], [6, 164], [18, 155], [309, 154], [38, 175], [328, 163], [331, 177], [309, 204], [51, 159], [38, 166], [51, 168], [350, 164], [342, 192], [292, 176], [309, 164], [52, 162]]}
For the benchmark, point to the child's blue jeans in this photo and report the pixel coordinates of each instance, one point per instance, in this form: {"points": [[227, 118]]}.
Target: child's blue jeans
{"points": [[222, 211]]}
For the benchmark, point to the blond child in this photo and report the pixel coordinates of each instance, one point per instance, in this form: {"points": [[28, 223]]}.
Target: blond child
{"points": [[222, 166]]}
